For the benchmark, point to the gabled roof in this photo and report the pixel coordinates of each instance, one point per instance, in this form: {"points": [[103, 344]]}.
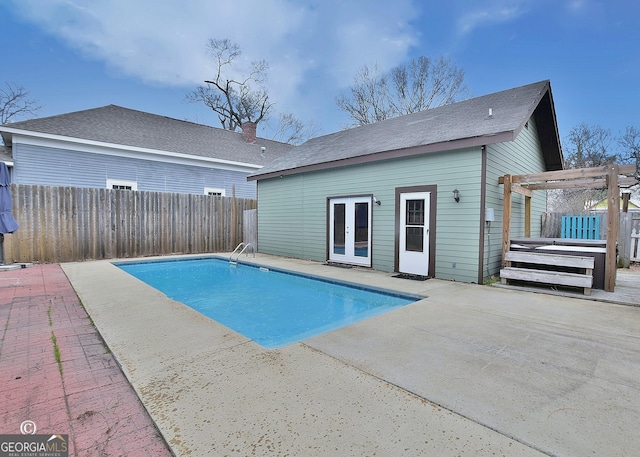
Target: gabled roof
{"points": [[478, 121], [116, 125], [604, 204]]}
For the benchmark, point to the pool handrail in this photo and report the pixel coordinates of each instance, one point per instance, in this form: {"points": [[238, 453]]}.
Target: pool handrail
{"points": [[244, 247]]}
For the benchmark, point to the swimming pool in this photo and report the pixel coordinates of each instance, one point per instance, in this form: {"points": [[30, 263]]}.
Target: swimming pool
{"points": [[273, 308]]}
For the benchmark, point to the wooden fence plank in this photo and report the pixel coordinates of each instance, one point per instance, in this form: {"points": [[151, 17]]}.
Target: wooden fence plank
{"points": [[250, 227], [64, 224]]}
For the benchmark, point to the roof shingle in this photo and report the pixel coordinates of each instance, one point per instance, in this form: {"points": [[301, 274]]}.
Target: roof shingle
{"points": [[123, 126], [444, 127]]}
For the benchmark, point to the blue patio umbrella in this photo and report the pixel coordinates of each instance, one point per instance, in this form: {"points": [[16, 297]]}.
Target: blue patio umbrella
{"points": [[7, 223]]}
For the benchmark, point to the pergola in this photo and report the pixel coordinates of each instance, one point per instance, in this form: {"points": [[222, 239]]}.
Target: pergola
{"points": [[611, 177]]}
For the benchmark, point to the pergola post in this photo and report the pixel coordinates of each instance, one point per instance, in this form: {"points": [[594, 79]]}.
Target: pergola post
{"points": [[588, 178], [613, 225], [527, 216], [506, 217]]}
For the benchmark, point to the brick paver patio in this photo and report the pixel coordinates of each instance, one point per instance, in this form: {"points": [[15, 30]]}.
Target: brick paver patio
{"points": [[77, 389]]}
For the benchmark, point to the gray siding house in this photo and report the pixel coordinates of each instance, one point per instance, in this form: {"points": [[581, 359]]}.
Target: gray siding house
{"points": [[417, 194], [116, 147]]}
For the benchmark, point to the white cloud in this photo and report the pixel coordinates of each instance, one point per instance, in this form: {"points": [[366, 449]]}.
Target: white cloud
{"points": [[494, 12], [592, 11], [577, 5], [163, 42]]}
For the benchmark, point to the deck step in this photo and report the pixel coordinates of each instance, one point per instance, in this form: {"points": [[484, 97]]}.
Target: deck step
{"points": [[559, 278], [556, 260]]}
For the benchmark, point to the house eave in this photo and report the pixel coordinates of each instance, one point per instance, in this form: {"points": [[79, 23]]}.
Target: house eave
{"points": [[393, 154], [98, 147]]}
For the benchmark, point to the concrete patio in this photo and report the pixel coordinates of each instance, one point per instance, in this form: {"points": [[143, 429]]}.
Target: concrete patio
{"points": [[57, 374], [470, 370]]}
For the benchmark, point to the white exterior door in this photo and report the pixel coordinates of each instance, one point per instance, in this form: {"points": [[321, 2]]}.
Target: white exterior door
{"points": [[413, 246], [350, 230]]}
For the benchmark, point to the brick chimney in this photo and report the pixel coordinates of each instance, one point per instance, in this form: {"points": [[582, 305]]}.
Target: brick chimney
{"points": [[249, 132]]}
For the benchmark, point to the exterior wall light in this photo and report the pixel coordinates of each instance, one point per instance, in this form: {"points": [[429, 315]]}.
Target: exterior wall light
{"points": [[456, 195]]}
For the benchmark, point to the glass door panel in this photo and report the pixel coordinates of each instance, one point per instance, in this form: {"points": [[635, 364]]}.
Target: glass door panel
{"points": [[414, 240], [350, 230], [339, 227], [361, 223]]}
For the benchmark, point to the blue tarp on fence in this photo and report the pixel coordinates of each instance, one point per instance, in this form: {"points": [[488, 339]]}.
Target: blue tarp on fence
{"points": [[581, 227]]}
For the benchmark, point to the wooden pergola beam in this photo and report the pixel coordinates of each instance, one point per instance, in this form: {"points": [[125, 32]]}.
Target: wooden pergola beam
{"points": [[576, 173], [607, 176], [588, 183], [526, 191]]}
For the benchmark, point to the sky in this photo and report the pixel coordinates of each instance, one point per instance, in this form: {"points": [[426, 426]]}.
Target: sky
{"points": [[147, 55]]}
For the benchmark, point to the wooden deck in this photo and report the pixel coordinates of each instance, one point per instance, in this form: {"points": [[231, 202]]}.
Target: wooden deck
{"points": [[627, 289]]}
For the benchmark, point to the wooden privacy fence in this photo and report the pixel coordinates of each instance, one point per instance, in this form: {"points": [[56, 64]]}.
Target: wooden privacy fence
{"points": [[553, 226], [65, 224]]}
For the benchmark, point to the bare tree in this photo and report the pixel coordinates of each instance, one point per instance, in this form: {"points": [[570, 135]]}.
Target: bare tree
{"points": [[292, 130], [424, 84], [235, 101], [16, 103], [629, 142], [417, 86], [367, 100], [586, 146]]}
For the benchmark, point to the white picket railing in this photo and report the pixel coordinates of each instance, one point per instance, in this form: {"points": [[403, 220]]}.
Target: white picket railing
{"points": [[635, 246]]}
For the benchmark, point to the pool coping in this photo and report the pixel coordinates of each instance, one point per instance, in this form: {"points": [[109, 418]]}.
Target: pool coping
{"points": [[355, 285], [275, 341], [210, 390]]}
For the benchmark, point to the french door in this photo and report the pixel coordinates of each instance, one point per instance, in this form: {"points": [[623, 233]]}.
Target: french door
{"points": [[413, 246], [350, 230]]}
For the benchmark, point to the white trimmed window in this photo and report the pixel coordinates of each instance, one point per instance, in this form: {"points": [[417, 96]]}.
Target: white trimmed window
{"points": [[216, 191], [121, 184]]}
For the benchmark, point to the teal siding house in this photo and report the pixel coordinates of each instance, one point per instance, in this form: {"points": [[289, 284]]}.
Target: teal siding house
{"points": [[417, 194]]}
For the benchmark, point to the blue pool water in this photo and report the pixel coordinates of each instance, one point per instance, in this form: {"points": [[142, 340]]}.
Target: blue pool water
{"points": [[272, 308]]}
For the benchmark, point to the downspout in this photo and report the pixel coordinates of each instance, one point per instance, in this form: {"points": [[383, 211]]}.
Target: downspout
{"points": [[483, 196]]}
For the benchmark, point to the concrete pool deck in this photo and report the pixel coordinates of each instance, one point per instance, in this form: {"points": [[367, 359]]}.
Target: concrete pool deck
{"points": [[470, 370]]}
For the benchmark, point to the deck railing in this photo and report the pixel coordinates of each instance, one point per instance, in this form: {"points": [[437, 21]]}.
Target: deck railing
{"points": [[634, 254]]}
